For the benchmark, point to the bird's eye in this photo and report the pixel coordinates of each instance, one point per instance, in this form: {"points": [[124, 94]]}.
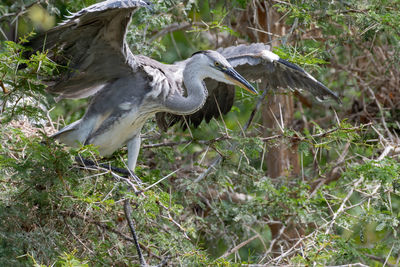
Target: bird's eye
{"points": [[217, 64]]}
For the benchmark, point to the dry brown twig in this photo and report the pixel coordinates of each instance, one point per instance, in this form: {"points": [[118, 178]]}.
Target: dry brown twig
{"points": [[5, 91], [239, 246]]}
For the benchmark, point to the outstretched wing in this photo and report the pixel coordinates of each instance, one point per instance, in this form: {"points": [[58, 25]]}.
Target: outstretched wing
{"points": [[257, 62], [254, 62], [92, 45]]}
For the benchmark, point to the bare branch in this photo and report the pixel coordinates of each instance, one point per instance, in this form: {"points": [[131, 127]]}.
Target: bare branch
{"points": [[342, 206], [108, 228], [235, 249], [174, 27]]}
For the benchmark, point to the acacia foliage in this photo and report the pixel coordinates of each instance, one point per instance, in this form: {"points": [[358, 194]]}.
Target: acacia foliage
{"points": [[343, 209]]}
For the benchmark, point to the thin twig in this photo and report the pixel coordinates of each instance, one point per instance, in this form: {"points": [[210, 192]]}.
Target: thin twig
{"points": [[342, 206], [159, 181], [388, 256], [167, 144], [108, 228], [22, 11], [323, 134], [265, 32], [217, 160], [290, 250], [127, 205], [283, 228], [172, 219], [381, 113], [74, 235], [172, 28], [375, 258], [202, 142], [236, 248]]}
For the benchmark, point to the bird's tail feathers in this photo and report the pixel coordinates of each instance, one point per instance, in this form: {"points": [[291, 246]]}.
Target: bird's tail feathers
{"points": [[70, 135]]}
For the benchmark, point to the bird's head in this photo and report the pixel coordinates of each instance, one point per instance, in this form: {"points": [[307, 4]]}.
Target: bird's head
{"points": [[213, 65]]}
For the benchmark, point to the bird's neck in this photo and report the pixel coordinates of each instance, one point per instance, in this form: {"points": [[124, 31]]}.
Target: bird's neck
{"points": [[196, 92]]}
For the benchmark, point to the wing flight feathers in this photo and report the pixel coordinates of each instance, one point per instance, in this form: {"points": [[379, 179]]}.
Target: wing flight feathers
{"points": [[257, 62], [91, 43], [254, 62]]}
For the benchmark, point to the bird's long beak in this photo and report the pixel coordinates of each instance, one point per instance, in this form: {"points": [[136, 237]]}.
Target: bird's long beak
{"points": [[233, 76]]}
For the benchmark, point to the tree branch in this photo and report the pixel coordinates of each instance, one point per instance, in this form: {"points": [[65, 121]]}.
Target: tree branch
{"points": [[108, 228]]}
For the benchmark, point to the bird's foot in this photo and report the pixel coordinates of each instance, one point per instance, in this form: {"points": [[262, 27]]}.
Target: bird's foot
{"points": [[90, 163]]}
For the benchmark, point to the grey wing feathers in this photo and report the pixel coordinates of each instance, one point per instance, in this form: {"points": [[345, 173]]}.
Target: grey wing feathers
{"points": [[92, 45], [218, 102], [111, 4], [247, 60], [254, 62]]}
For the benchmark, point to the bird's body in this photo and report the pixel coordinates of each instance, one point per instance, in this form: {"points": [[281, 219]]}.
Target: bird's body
{"points": [[109, 126], [128, 89], [115, 117]]}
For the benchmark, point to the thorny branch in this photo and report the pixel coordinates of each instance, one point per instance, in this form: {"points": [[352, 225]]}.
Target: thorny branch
{"points": [[265, 139], [236, 248], [127, 206], [342, 206], [108, 228], [174, 27], [304, 242], [217, 160], [15, 16], [20, 12], [307, 242], [202, 142]]}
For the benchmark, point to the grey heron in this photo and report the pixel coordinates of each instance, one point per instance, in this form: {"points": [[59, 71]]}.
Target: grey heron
{"points": [[128, 89]]}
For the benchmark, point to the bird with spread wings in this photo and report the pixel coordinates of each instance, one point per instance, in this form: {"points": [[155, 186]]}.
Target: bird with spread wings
{"points": [[127, 89]]}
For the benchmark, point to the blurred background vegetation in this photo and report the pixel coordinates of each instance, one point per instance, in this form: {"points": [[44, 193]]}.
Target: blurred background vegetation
{"points": [[322, 188]]}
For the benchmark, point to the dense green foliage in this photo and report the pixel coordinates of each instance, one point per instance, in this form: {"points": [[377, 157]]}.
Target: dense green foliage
{"points": [[343, 208]]}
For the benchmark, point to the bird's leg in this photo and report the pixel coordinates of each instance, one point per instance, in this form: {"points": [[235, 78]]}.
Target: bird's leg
{"points": [[133, 153]]}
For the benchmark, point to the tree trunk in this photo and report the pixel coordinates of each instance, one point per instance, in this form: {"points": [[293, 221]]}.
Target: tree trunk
{"points": [[281, 158]]}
